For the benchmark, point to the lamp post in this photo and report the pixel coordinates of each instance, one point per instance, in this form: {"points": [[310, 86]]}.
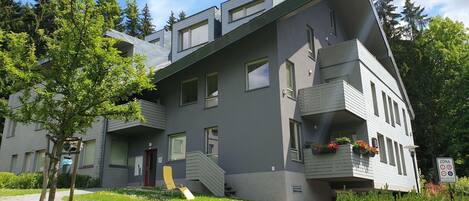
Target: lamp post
{"points": [[412, 154]]}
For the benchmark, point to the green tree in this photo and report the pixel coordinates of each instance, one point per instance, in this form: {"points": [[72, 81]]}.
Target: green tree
{"points": [[83, 78], [10, 15], [112, 14], [435, 70], [181, 16], [147, 26], [388, 17], [415, 19], [171, 20], [132, 24]]}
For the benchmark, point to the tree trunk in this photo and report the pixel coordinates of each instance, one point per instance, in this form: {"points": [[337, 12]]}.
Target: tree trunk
{"points": [[45, 178], [54, 169]]}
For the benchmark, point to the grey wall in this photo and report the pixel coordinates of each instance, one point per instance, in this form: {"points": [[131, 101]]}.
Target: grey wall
{"points": [[247, 121]]}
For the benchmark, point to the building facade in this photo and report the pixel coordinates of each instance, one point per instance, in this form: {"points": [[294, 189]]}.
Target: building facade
{"points": [[246, 92]]}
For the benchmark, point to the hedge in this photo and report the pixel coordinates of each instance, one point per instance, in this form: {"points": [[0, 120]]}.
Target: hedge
{"points": [[34, 180]]}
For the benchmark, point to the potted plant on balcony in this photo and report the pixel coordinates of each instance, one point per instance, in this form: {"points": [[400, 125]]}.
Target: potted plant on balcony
{"points": [[343, 140], [362, 148], [332, 147]]}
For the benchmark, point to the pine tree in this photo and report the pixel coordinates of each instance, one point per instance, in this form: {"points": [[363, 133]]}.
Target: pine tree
{"points": [[146, 25], [112, 13], [415, 19], [388, 17], [181, 16], [132, 22], [10, 15], [170, 22]]}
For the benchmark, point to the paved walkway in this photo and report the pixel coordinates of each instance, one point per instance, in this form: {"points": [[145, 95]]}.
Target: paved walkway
{"points": [[58, 196]]}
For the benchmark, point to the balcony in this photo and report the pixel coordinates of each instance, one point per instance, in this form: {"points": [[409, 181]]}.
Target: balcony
{"points": [[155, 119], [338, 98], [342, 166]]}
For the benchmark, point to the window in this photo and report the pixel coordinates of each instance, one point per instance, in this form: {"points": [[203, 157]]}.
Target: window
{"points": [[311, 46], [333, 22], [40, 160], [28, 162], [391, 111], [375, 101], [177, 147], [404, 115], [382, 149], [246, 10], [193, 36], [385, 104], [404, 169], [211, 95], [398, 159], [257, 74], [38, 126], [291, 91], [396, 113], [155, 41], [189, 91], [211, 142], [392, 161], [13, 163], [11, 128], [119, 153], [295, 139], [89, 153]]}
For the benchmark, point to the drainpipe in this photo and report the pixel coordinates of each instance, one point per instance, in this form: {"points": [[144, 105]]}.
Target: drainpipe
{"points": [[103, 148], [412, 154]]}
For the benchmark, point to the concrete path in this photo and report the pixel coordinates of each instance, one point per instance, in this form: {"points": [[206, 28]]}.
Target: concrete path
{"points": [[58, 196]]}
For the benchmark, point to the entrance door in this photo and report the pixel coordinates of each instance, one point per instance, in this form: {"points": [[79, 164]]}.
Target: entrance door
{"points": [[150, 167]]}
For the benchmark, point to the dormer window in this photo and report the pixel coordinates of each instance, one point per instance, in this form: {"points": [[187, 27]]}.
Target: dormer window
{"points": [[246, 10], [193, 36]]}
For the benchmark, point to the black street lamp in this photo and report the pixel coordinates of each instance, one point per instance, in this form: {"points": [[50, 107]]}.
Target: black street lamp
{"points": [[412, 154]]}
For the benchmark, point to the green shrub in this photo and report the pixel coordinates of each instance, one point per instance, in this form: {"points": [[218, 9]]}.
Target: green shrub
{"points": [[5, 178], [343, 140], [462, 186], [34, 180]]}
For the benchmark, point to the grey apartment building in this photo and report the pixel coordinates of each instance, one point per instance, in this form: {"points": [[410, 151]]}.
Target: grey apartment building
{"points": [[242, 90]]}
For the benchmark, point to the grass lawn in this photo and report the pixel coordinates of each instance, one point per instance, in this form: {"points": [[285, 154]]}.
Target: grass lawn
{"points": [[138, 194], [12, 192]]}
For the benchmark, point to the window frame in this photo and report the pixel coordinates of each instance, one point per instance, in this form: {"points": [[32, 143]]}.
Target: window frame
{"points": [[14, 163], [207, 97], [246, 68], [333, 22], [37, 163], [311, 42], [390, 147], [382, 149], [196, 79], [404, 118], [391, 111], [113, 144], [11, 128], [206, 134], [398, 158], [396, 113], [291, 92], [375, 98], [385, 105], [244, 8], [85, 147], [170, 137], [298, 138], [404, 167], [27, 167], [190, 29]]}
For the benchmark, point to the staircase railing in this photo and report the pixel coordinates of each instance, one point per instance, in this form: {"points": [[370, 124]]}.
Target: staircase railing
{"points": [[200, 167]]}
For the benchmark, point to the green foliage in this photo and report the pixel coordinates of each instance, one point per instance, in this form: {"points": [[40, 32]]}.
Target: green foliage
{"points": [[415, 19], [343, 140], [6, 178], [26, 181], [171, 20], [82, 181], [147, 27], [388, 196], [435, 71], [112, 14], [132, 24], [181, 15], [462, 186], [389, 18]]}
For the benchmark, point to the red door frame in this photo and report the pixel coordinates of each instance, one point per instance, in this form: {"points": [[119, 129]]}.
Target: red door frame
{"points": [[150, 155]]}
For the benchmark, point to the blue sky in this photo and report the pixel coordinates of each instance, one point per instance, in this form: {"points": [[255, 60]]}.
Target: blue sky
{"points": [[160, 9]]}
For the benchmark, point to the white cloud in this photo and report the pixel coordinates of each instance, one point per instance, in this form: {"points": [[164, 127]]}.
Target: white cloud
{"points": [[454, 9], [161, 9]]}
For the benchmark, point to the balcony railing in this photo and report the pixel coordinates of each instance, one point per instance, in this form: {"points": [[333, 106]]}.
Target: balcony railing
{"points": [[200, 167], [331, 97], [342, 165], [153, 113]]}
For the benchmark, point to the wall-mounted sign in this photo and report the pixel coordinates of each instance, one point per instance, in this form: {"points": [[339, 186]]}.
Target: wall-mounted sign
{"points": [[446, 170]]}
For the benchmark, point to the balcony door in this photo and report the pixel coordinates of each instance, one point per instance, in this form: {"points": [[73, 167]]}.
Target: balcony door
{"points": [[150, 167]]}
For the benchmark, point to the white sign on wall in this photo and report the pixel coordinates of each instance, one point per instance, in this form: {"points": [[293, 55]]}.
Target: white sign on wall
{"points": [[446, 170], [138, 166]]}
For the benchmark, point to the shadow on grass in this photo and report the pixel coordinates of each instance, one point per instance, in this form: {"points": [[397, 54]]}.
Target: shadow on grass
{"points": [[149, 193]]}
